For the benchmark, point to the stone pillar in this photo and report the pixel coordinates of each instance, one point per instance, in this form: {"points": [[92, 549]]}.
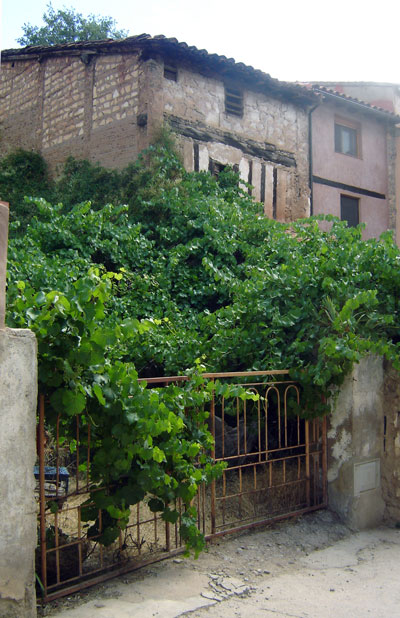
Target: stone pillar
{"points": [[355, 443], [18, 396], [3, 259], [151, 102]]}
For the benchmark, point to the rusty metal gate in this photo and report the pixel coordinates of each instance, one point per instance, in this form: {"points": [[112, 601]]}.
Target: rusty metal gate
{"points": [[276, 468]]}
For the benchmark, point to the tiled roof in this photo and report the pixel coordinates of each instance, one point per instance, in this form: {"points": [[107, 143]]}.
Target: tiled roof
{"points": [[222, 65], [362, 105]]}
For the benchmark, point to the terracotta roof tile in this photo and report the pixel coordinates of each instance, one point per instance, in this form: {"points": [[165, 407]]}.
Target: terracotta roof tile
{"points": [[162, 44], [319, 89]]}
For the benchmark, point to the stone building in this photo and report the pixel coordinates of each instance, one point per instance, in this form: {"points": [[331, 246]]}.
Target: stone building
{"points": [[105, 101]]}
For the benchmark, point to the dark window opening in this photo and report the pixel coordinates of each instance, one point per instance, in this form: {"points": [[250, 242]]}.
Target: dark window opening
{"points": [[215, 167], [349, 210], [250, 177], [170, 72], [346, 140], [262, 188], [233, 101], [196, 157]]}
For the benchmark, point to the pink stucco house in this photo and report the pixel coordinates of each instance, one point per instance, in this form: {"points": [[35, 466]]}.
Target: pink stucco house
{"points": [[353, 161]]}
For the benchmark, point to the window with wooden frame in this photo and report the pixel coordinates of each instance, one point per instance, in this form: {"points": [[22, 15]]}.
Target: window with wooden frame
{"points": [[233, 101], [350, 210], [347, 137], [171, 72]]}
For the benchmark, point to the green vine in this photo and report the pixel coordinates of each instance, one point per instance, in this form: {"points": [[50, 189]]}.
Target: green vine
{"points": [[188, 267]]}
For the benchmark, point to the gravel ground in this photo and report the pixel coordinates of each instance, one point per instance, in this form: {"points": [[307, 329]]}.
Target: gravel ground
{"points": [[233, 566]]}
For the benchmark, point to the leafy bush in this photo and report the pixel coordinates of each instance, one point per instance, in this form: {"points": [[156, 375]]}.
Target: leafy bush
{"points": [[22, 173], [188, 268]]}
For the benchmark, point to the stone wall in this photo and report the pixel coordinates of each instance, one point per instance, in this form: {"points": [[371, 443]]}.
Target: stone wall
{"points": [[108, 107], [391, 444], [355, 446], [268, 143], [364, 446]]}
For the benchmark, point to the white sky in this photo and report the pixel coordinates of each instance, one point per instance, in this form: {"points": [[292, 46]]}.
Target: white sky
{"points": [[353, 40]]}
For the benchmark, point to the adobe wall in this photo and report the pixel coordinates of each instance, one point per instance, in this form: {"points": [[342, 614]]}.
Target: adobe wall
{"points": [[72, 105], [107, 108]]}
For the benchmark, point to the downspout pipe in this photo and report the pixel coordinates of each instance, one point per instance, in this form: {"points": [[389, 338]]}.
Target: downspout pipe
{"points": [[310, 157]]}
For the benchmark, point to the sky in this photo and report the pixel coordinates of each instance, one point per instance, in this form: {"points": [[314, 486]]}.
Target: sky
{"points": [[311, 40]]}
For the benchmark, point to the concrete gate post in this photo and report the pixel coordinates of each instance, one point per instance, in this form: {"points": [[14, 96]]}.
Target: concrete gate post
{"points": [[355, 443], [18, 398]]}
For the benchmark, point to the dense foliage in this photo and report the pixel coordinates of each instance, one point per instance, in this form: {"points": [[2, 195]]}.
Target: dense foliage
{"points": [[66, 25], [188, 268]]}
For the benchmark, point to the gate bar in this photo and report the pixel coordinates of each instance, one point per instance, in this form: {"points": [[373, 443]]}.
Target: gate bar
{"points": [[42, 493]]}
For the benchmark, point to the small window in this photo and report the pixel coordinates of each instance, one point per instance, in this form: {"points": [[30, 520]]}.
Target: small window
{"points": [[347, 139], [233, 101], [215, 167], [170, 72], [349, 210]]}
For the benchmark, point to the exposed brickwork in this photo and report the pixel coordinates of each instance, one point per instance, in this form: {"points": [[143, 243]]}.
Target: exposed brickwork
{"points": [[115, 92], [19, 104], [64, 101], [108, 107], [18, 87]]}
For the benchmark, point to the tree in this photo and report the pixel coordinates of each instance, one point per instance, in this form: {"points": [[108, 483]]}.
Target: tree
{"points": [[66, 25]]}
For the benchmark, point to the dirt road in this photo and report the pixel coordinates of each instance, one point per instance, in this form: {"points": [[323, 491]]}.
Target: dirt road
{"points": [[312, 567]]}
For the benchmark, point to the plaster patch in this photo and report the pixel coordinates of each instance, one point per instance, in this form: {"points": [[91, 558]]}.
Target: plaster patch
{"points": [[341, 452], [342, 404], [366, 449]]}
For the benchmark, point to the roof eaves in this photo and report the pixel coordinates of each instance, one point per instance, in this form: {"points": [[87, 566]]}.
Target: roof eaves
{"points": [[221, 64], [352, 101]]}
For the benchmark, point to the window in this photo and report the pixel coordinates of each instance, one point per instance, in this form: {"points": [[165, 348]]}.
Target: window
{"points": [[349, 210], [347, 138], [233, 101], [170, 72], [215, 167]]}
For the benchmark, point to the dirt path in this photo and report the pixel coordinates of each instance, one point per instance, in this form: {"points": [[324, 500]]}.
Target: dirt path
{"points": [[312, 567]]}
